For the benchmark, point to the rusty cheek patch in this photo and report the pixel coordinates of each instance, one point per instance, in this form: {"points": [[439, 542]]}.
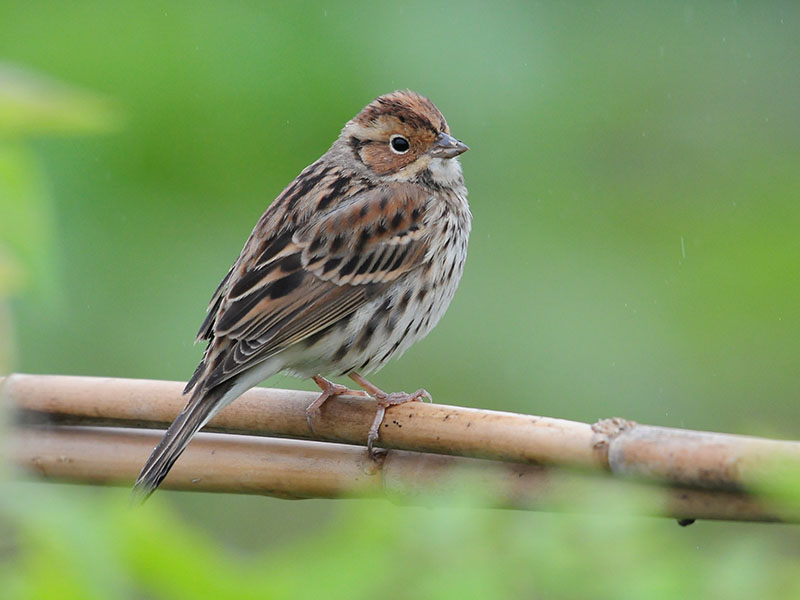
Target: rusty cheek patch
{"points": [[379, 157], [374, 150], [383, 161]]}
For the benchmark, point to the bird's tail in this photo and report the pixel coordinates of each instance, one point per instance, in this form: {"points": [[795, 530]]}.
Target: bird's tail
{"points": [[200, 408]]}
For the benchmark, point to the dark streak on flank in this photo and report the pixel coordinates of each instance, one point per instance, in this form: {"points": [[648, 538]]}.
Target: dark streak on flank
{"points": [[316, 337], [392, 350], [450, 272], [341, 352], [385, 306], [403, 304], [368, 331]]}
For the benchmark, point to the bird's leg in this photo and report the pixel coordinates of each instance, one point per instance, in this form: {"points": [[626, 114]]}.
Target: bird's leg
{"points": [[329, 390], [385, 401]]}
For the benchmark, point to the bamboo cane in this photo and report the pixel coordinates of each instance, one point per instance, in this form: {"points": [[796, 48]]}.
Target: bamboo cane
{"points": [[676, 456], [722, 464], [297, 469]]}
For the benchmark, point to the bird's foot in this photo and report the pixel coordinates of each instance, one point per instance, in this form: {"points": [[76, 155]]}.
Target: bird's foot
{"points": [[329, 390], [384, 401]]}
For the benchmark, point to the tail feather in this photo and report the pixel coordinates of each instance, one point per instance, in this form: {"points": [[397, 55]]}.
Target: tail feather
{"points": [[203, 404], [200, 408]]}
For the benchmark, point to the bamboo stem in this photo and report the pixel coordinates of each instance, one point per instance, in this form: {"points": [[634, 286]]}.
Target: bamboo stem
{"points": [[676, 456], [271, 412], [296, 469]]}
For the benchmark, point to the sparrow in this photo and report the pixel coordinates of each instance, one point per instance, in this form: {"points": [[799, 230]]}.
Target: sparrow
{"points": [[357, 259]]}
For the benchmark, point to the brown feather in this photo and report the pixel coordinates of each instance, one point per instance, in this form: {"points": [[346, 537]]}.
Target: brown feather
{"points": [[283, 292]]}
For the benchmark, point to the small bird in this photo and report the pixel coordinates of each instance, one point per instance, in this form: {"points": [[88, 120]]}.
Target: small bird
{"points": [[357, 259]]}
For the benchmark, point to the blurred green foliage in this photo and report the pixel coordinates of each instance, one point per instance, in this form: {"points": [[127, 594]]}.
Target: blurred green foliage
{"points": [[81, 543], [634, 179]]}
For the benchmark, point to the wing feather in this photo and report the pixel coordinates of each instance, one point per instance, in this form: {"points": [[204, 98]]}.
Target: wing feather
{"points": [[308, 277]]}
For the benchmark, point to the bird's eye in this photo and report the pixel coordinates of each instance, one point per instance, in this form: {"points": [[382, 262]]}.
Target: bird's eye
{"points": [[399, 144]]}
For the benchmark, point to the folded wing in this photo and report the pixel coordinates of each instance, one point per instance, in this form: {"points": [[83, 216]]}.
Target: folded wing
{"points": [[304, 278]]}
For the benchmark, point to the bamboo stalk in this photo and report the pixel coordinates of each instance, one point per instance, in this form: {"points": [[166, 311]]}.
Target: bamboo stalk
{"points": [[271, 412], [301, 469], [673, 456]]}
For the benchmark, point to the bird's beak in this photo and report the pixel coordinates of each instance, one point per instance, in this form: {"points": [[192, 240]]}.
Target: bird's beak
{"points": [[446, 146]]}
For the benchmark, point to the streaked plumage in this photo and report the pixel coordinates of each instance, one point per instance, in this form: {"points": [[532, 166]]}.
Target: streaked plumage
{"points": [[355, 260]]}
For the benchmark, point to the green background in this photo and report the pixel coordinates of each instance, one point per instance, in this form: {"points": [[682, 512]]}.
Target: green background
{"points": [[634, 176]]}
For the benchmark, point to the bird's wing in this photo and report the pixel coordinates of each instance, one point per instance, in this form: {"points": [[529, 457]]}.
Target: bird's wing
{"points": [[294, 282]]}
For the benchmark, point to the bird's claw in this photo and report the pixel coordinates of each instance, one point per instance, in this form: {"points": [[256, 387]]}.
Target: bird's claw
{"points": [[384, 401], [329, 390]]}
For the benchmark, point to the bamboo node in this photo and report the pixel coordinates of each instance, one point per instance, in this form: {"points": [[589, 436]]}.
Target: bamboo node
{"points": [[606, 431]]}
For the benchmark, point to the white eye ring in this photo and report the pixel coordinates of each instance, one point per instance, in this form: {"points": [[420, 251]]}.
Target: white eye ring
{"points": [[401, 141]]}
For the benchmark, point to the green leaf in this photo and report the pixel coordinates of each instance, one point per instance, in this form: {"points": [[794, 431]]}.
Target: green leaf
{"points": [[26, 230], [34, 104]]}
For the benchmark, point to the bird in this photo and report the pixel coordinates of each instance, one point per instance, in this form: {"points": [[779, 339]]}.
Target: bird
{"points": [[357, 259]]}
